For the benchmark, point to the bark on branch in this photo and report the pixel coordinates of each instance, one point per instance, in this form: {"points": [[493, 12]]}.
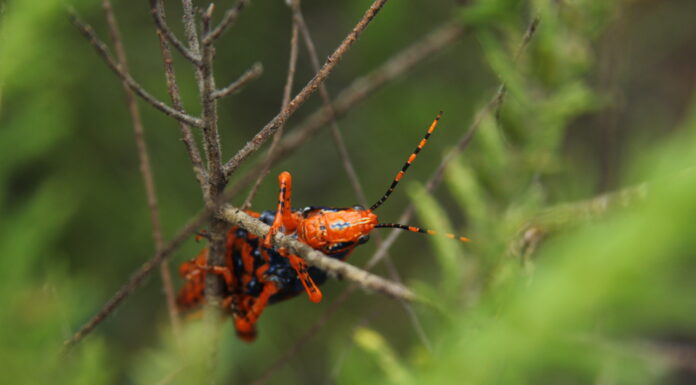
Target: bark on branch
{"points": [[317, 259]]}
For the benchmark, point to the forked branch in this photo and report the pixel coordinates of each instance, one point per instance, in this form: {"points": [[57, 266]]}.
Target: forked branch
{"points": [[103, 51], [171, 37], [280, 119], [227, 21], [247, 77], [355, 93]]}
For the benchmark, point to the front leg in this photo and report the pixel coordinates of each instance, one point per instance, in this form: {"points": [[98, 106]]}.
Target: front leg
{"points": [[283, 218]]}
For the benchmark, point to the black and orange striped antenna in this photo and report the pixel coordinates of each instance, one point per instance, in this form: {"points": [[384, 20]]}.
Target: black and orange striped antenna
{"points": [[407, 164], [415, 229], [396, 180]]}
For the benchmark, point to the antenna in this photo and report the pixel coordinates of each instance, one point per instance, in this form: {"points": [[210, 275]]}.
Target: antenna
{"points": [[415, 229], [407, 164]]}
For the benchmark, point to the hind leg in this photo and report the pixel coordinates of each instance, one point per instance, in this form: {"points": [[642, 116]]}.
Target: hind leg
{"points": [[245, 322]]}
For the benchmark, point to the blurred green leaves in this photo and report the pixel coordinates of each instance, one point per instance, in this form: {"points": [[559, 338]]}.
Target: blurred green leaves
{"points": [[598, 299], [39, 299]]}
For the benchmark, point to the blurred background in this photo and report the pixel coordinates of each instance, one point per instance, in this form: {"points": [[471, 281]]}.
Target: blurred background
{"points": [[578, 192]]}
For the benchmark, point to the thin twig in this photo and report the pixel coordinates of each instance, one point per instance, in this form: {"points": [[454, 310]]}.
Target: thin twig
{"points": [[175, 95], [171, 37], [280, 119], [316, 326], [103, 51], [227, 21], [250, 75], [239, 218], [189, 21], [352, 95], [526, 38], [346, 159], [493, 105], [139, 276], [436, 177], [356, 92], [145, 168], [381, 251], [326, 99], [317, 259], [569, 214], [287, 92]]}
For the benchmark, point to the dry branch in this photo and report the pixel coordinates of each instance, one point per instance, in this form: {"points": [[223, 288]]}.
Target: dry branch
{"points": [[227, 21], [381, 251], [247, 77], [563, 216], [355, 93], [145, 168], [315, 258], [280, 119], [171, 37], [211, 136], [287, 93], [138, 277], [326, 99], [189, 21], [103, 51], [175, 95]]}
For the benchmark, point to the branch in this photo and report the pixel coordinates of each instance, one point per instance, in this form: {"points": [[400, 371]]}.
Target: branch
{"points": [[103, 51], [138, 277], [214, 285], [175, 95], [145, 168], [280, 119], [347, 161], [210, 119], [250, 75], [381, 251], [317, 259], [189, 21], [287, 93], [355, 93], [227, 21], [566, 215], [326, 99], [493, 105], [162, 26]]}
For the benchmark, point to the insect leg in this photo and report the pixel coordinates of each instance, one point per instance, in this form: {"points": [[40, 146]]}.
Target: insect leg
{"points": [[300, 267], [192, 293], [244, 323], [283, 216]]}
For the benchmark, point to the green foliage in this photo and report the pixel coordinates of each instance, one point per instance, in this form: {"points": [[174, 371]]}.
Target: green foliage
{"points": [[596, 295]]}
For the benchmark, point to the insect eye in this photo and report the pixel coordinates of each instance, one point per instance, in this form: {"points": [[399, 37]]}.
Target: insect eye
{"points": [[363, 239], [358, 208]]}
